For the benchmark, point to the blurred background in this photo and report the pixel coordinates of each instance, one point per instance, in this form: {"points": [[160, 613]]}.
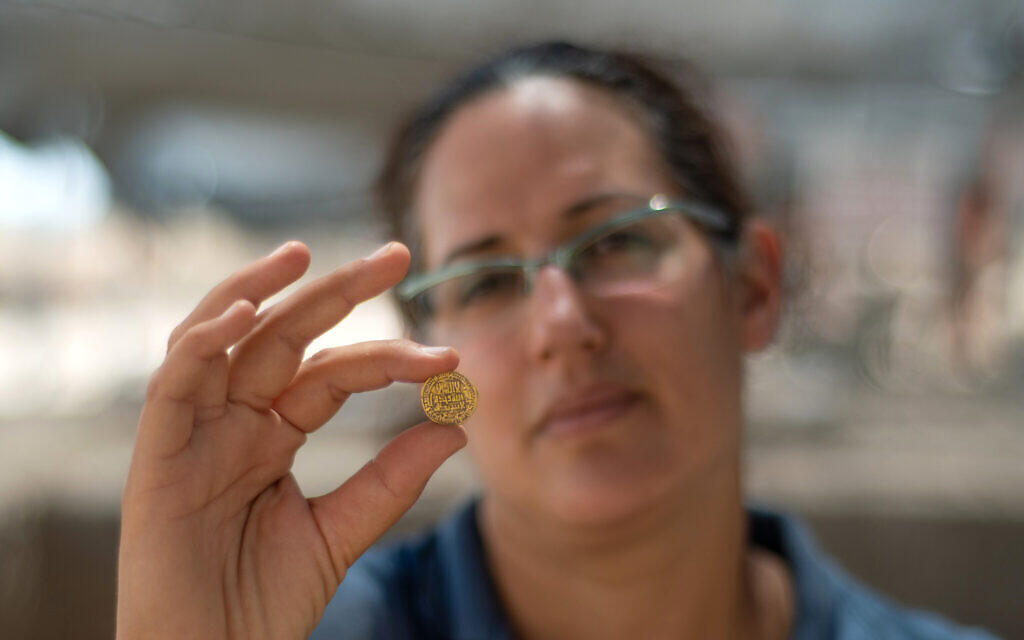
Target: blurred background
{"points": [[149, 148]]}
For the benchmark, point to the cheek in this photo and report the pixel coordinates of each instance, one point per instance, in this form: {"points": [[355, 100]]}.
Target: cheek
{"points": [[496, 370], [684, 342], [496, 428]]}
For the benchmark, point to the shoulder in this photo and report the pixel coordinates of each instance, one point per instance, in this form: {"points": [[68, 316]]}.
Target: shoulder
{"points": [[385, 593], [436, 585], [864, 614], [831, 603]]}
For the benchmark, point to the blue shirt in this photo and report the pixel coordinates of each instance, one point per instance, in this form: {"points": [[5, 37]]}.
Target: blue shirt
{"points": [[438, 587]]}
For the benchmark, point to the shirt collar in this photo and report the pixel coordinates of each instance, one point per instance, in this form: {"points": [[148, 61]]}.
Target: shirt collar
{"points": [[475, 610], [815, 581]]}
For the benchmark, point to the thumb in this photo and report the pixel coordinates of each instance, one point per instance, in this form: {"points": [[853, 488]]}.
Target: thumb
{"points": [[356, 514]]}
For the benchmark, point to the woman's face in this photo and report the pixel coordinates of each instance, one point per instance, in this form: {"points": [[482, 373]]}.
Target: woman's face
{"points": [[589, 409]]}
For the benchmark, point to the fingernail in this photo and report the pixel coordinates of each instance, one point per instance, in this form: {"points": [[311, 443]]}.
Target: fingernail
{"points": [[435, 351], [382, 250]]}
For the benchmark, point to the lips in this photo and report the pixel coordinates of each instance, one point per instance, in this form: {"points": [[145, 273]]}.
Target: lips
{"points": [[586, 410]]}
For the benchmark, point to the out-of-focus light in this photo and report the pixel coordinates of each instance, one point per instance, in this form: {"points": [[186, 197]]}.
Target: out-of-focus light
{"points": [[255, 164], [56, 185]]}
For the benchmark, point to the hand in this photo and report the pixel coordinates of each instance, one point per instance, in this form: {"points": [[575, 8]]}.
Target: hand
{"points": [[217, 540]]}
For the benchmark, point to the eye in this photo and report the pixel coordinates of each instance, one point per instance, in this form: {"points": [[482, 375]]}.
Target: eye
{"points": [[621, 241], [478, 288]]}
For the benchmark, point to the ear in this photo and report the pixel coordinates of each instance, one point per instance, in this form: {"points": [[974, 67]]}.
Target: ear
{"points": [[758, 290]]}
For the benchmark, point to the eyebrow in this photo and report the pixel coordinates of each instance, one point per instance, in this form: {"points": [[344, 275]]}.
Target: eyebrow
{"points": [[569, 213]]}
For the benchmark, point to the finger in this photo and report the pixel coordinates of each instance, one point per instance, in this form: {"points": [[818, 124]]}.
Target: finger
{"points": [[358, 512], [255, 283], [265, 362], [326, 380], [171, 398]]}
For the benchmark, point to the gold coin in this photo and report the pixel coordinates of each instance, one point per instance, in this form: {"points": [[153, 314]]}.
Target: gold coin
{"points": [[448, 398]]}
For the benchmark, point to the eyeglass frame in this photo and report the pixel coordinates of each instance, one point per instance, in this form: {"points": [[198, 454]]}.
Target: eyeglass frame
{"points": [[715, 220]]}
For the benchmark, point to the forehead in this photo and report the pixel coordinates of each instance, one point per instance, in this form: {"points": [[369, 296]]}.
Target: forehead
{"points": [[510, 161]]}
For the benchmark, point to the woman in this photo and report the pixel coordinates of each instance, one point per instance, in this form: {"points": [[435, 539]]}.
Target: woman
{"points": [[581, 251]]}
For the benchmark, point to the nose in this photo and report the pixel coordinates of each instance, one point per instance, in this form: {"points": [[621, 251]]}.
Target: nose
{"points": [[560, 323]]}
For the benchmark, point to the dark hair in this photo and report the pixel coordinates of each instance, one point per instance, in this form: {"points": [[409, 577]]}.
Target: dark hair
{"points": [[690, 142]]}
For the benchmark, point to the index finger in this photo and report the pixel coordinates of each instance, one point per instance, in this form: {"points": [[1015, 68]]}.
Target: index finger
{"points": [[256, 282], [265, 361]]}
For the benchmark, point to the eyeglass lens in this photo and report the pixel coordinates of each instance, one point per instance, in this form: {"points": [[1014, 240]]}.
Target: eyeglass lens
{"points": [[620, 260]]}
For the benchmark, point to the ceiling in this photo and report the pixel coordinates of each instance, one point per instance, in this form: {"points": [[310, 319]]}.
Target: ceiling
{"points": [[334, 76]]}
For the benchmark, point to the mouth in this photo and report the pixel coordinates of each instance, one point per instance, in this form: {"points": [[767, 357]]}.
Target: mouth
{"points": [[587, 412]]}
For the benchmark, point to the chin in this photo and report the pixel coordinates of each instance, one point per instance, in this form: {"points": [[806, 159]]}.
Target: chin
{"points": [[603, 501]]}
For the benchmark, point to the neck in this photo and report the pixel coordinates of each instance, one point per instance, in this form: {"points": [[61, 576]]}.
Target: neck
{"points": [[676, 570]]}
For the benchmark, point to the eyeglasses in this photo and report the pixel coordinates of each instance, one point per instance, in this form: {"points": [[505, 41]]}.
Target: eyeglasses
{"points": [[632, 252]]}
